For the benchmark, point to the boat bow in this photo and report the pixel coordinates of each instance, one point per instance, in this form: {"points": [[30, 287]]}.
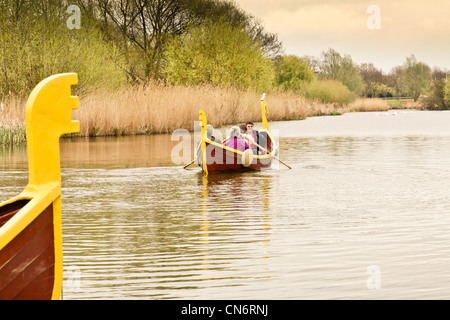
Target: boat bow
{"points": [[31, 231]]}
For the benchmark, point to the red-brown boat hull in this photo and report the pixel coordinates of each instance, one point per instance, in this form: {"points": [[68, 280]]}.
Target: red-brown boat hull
{"points": [[222, 160], [27, 262], [9, 210]]}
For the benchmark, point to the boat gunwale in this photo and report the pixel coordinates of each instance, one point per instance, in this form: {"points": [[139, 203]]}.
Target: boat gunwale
{"points": [[258, 157]]}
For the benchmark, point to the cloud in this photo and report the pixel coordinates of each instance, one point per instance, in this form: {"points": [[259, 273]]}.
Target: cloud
{"points": [[407, 26], [318, 19]]}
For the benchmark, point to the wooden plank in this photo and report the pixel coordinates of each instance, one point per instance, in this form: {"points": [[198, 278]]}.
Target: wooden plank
{"points": [[27, 262], [8, 211]]}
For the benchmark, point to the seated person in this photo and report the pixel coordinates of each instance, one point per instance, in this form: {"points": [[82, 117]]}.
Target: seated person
{"points": [[244, 134], [235, 142], [209, 134], [253, 136]]}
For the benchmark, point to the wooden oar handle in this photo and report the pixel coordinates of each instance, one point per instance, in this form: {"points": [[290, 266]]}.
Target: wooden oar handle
{"points": [[188, 164], [254, 142], [268, 152]]}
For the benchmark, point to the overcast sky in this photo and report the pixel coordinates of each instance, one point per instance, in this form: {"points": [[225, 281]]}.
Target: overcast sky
{"points": [[309, 27]]}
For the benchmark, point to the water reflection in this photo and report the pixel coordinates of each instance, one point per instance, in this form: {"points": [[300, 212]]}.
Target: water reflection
{"points": [[14, 157], [118, 152], [155, 231], [101, 152], [179, 235]]}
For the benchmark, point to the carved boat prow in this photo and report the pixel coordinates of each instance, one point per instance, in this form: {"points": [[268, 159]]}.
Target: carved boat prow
{"points": [[30, 224]]}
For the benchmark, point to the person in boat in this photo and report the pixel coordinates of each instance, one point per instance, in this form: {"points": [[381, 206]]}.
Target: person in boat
{"points": [[210, 136], [235, 141], [254, 138], [245, 136], [210, 132]]}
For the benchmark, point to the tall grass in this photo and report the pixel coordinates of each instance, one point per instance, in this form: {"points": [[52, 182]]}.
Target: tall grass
{"points": [[368, 104], [12, 122], [12, 135], [158, 108], [12, 132], [155, 108]]}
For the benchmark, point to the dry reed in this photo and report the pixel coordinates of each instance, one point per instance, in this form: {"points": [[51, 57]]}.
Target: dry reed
{"points": [[156, 108], [12, 122], [367, 104]]}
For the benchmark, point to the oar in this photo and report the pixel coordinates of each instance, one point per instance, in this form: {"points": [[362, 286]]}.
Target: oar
{"points": [[194, 159], [267, 152], [188, 164]]}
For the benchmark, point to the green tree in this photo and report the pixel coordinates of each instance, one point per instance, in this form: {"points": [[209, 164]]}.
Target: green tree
{"points": [[436, 96], [439, 74], [382, 90], [415, 77], [146, 27], [292, 72], [343, 69], [219, 54], [39, 44], [327, 91], [447, 93], [373, 79], [392, 81]]}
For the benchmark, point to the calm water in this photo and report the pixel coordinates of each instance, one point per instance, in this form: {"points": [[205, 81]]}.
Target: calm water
{"points": [[363, 214]]}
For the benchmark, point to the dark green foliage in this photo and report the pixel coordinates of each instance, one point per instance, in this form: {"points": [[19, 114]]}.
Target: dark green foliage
{"points": [[292, 72], [37, 43], [342, 69], [436, 99], [220, 54]]}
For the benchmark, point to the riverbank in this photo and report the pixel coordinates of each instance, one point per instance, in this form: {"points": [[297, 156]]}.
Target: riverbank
{"points": [[155, 108], [12, 130]]}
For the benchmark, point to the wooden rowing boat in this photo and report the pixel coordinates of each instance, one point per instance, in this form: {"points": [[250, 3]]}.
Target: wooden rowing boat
{"points": [[30, 224], [214, 157]]}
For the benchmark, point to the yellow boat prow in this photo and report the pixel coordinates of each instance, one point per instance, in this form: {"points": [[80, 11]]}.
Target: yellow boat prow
{"points": [[30, 224]]}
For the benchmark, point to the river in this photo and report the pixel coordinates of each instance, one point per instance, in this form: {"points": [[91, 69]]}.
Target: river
{"points": [[363, 214]]}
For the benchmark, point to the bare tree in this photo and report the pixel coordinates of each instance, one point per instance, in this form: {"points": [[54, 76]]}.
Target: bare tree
{"points": [[146, 25], [372, 77]]}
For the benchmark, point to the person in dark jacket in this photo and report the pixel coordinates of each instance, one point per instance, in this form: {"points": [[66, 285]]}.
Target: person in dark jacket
{"points": [[210, 132], [255, 136]]}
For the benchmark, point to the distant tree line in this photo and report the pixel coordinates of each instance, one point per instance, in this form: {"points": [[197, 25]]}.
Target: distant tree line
{"points": [[186, 42], [413, 79]]}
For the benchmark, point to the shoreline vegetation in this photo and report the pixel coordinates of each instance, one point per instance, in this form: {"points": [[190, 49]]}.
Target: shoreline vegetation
{"points": [[148, 66], [155, 108]]}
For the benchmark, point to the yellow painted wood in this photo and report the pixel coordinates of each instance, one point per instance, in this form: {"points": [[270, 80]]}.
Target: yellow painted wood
{"points": [[48, 116], [203, 123], [265, 124], [247, 157]]}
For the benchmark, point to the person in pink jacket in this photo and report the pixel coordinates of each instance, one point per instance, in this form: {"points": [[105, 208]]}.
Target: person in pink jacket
{"points": [[235, 142]]}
